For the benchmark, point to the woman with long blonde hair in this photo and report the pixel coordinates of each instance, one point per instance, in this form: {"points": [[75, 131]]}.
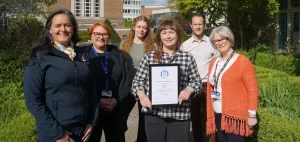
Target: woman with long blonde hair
{"points": [[138, 42]]}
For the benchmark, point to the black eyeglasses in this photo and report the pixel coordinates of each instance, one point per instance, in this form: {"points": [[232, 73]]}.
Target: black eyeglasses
{"points": [[97, 34]]}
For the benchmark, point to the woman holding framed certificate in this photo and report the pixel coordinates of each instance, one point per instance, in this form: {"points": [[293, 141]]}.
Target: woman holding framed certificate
{"points": [[232, 91], [167, 76]]}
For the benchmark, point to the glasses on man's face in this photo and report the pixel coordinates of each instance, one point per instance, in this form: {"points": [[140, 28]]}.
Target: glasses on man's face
{"points": [[97, 34], [220, 41]]}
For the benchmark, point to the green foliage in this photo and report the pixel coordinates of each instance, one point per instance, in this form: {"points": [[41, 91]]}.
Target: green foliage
{"points": [[24, 31], [84, 36], [262, 56], [26, 7], [12, 65], [127, 23], [272, 128], [243, 16], [279, 93], [115, 39], [10, 109], [19, 129]]}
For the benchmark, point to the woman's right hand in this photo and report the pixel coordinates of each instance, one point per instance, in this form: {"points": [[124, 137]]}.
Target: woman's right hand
{"points": [[144, 99], [104, 104], [66, 138]]}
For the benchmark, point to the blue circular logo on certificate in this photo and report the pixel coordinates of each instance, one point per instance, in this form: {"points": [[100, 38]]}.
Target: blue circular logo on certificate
{"points": [[164, 74]]}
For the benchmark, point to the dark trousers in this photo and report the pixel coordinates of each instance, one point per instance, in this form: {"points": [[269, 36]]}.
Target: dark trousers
{"points": [[126, 107], [226, 137], [111, 124], [141, 135], [166, 129], [198, 117], [76, 130]]}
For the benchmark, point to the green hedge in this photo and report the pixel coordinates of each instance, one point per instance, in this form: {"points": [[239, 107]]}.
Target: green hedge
{"points": [[84, 36], [114, 37], [262, 57], [278, 114], [16, 123], [272, 128], [11, 73], [19, 129], [279, 93]]}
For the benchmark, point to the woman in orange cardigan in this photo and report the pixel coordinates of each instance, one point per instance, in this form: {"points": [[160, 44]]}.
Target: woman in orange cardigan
{"points": [[232, 91]]}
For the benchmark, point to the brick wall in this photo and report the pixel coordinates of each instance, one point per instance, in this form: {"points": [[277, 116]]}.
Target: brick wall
{"points": [[113, 8], [148, 11], [60, 4]]}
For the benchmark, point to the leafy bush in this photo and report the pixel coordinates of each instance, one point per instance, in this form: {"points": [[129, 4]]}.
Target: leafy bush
{"points": [[19, 129], [84, 36], [279, 93], [115, 39], [10, 109], [272, 128], [24, 31], [11, 73], [262, 56], [127, 23]]}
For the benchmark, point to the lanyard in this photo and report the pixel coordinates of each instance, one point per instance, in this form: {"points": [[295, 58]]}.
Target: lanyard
{"points": [[216, 78], [104, 66]]}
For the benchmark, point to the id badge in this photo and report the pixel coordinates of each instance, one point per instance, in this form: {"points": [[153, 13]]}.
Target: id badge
{"points": [[106, 93], [215, 95]]}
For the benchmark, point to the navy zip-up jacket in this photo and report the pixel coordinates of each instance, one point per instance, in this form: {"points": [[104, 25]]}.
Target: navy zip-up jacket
{"points": [[60, 92], [121, 81]]}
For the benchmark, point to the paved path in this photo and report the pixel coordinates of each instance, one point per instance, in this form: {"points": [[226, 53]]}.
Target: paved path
{"points": [[132, 123]]}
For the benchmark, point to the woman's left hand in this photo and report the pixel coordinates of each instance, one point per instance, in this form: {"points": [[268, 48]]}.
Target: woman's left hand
{"points": [[185, 94], [87, 133], [113, 102], [252, 121]]}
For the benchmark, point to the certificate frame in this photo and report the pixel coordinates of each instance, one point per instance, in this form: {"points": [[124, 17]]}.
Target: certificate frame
{"points": [[173, 87]]}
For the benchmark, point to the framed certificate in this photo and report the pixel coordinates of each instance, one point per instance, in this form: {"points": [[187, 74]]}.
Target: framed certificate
{"points": [[164, 84]]}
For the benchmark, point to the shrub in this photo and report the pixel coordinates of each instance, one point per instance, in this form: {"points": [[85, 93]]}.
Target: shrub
{"points": [[11, 73], [272, 128], [10, 109], [19, 129], [24, 32], [127, 23], [84, 36], [262, 57], [115, 39], [279, 93]]}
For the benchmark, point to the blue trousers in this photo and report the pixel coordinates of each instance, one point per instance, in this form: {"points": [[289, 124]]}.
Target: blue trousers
{"points": [[75, 129]]}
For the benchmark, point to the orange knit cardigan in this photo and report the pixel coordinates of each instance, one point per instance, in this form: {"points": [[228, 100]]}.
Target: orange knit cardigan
{"points": [[239, 94]]}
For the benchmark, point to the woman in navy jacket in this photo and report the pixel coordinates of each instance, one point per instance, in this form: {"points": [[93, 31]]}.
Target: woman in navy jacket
{"points": [[108, 65], [58, 87]]}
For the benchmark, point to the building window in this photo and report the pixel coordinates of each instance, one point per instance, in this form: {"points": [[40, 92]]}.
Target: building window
{"points": [[77, 8], [96, 8], [283, 4], [283, 29], [295, 3], [295, 21], [84, 8]]}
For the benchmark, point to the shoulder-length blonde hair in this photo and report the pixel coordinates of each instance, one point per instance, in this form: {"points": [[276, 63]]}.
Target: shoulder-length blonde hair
{"points": [[148, 38], [166, 24]]}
